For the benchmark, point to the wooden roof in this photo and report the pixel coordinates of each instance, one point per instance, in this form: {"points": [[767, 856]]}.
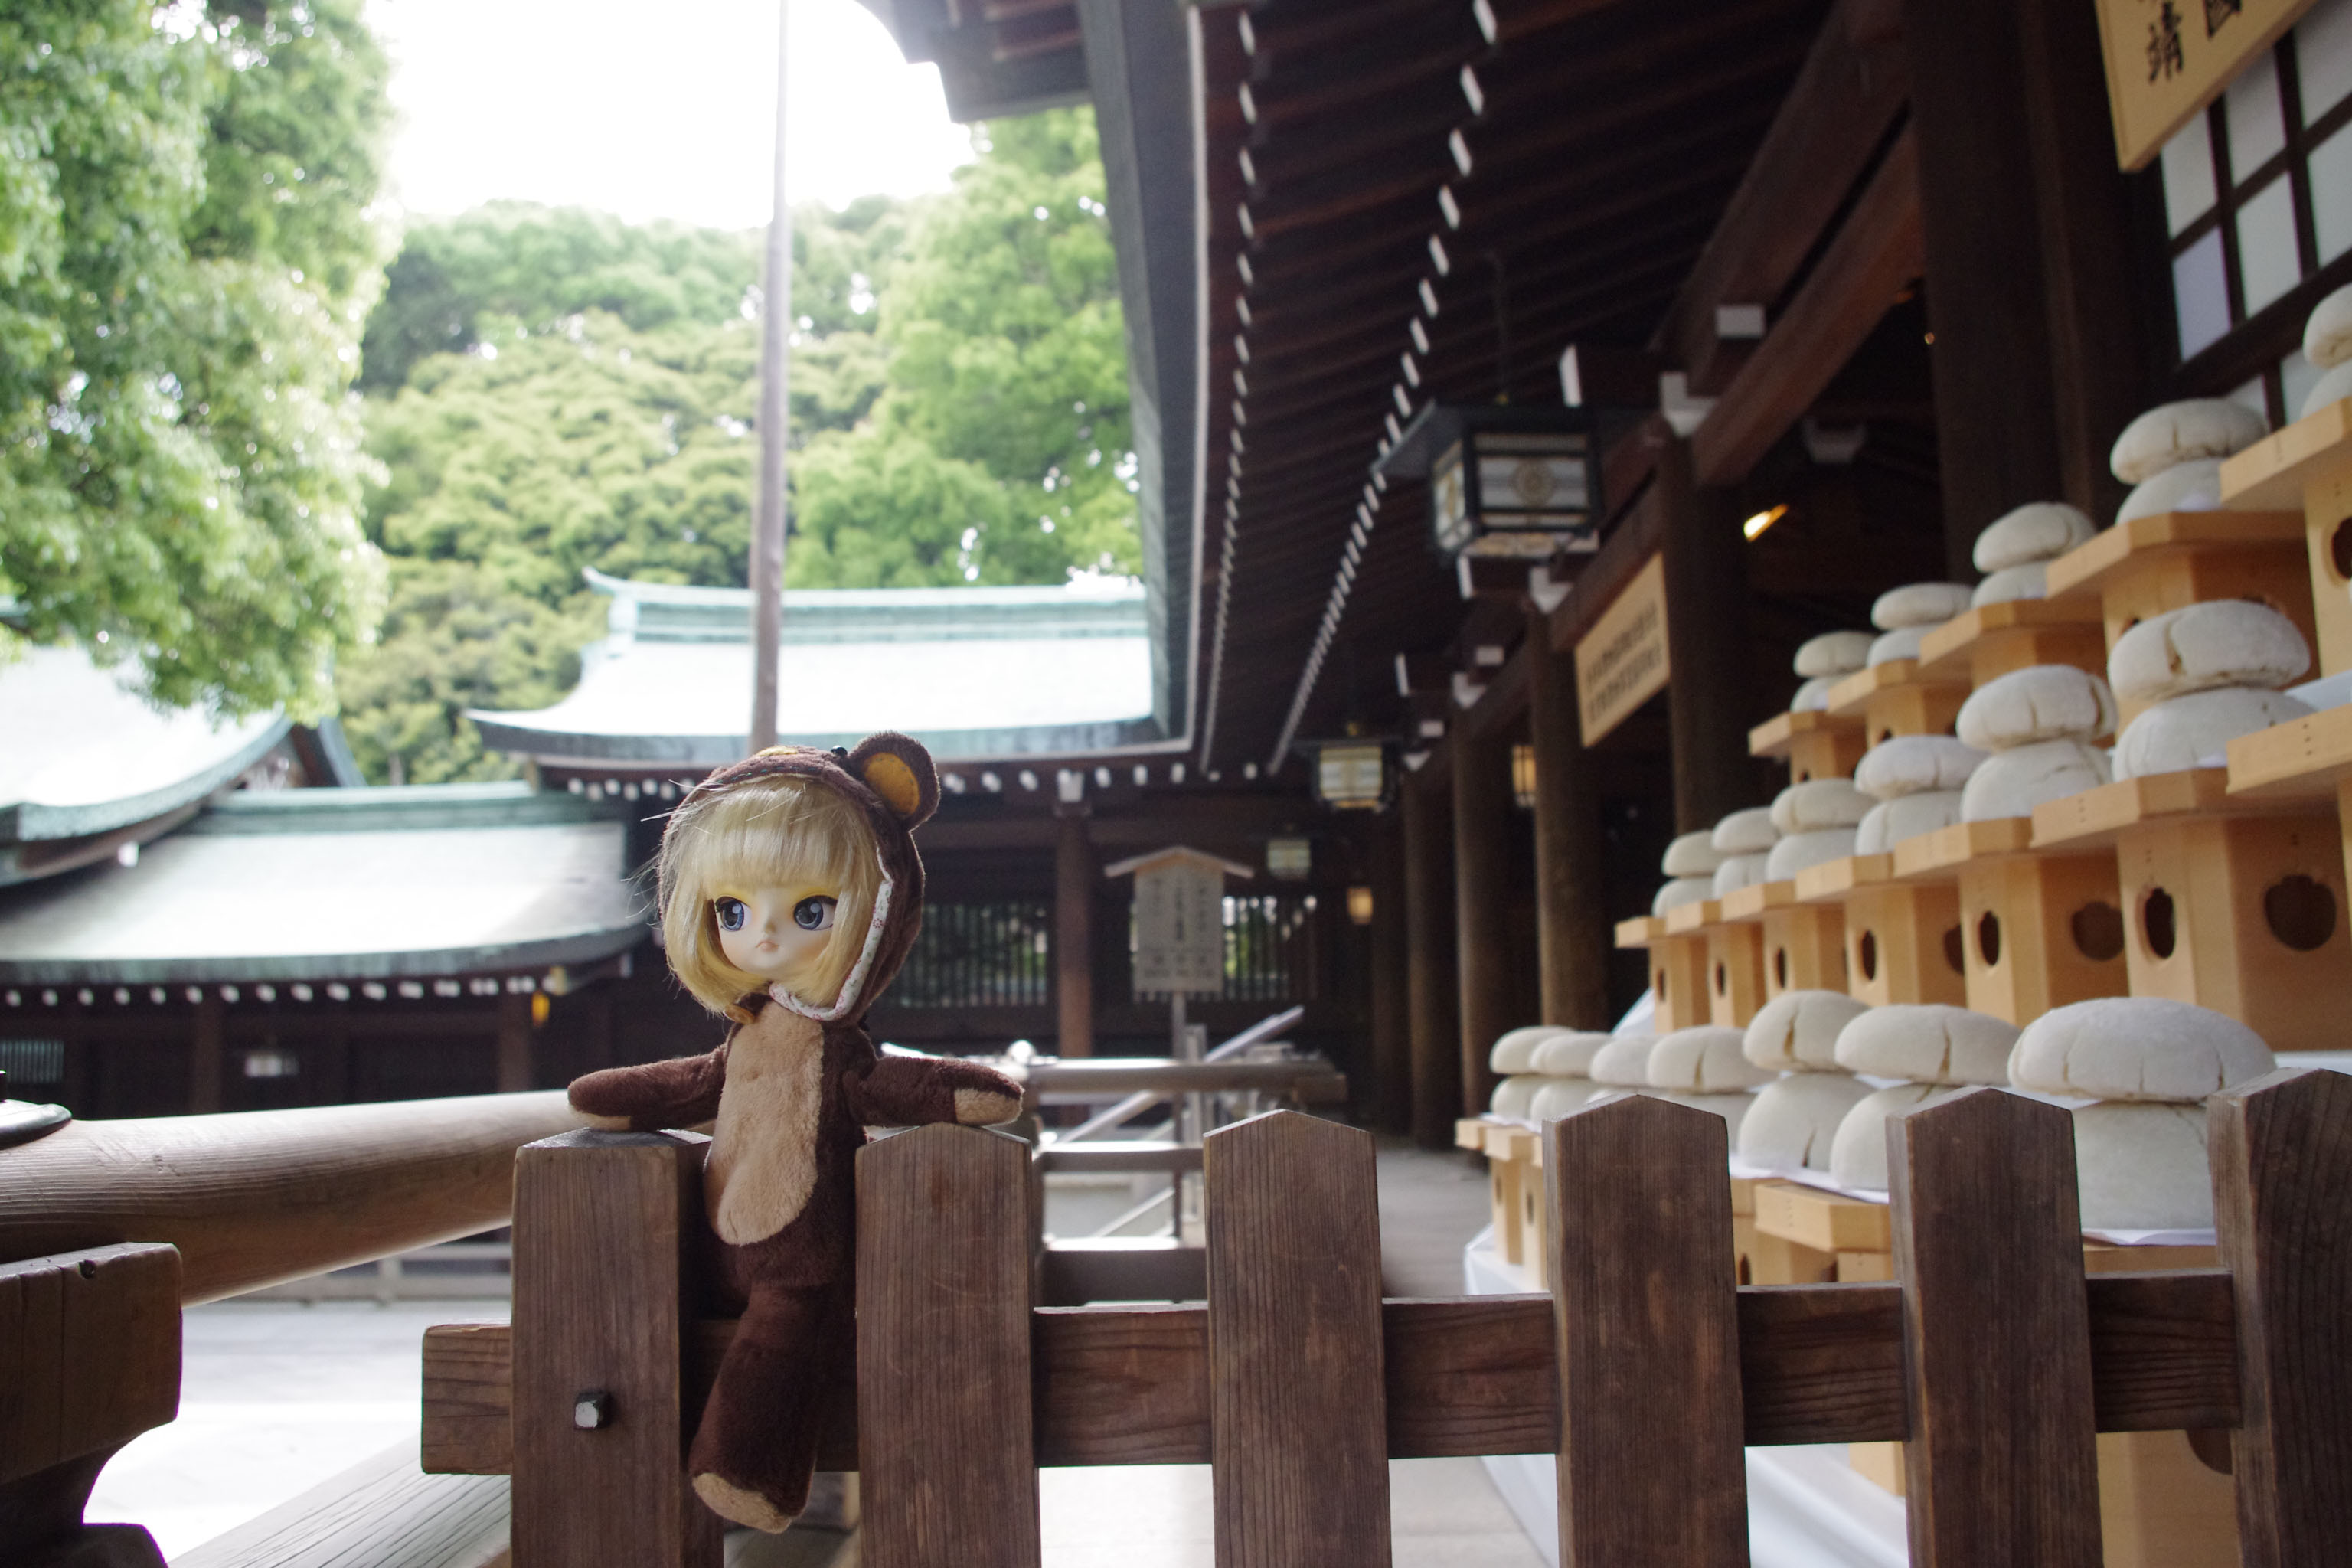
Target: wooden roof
{"points": [[1571, 156]]}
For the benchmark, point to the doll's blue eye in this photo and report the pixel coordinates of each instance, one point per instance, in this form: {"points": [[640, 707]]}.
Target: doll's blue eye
{"points": [[730, 914], [813, 914]]}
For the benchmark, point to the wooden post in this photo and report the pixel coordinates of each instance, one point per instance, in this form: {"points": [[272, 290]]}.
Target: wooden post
{"points": [[1709, 695], [1074, 947], [2001, 1464], [1298, 1415], [1482, 821], [1571, 904], [514, 1043], [207, 1054], [1645, 1315], [946, 1460], [604, 1223], [1391, 994], [2281, 1151], [1429, 965]]}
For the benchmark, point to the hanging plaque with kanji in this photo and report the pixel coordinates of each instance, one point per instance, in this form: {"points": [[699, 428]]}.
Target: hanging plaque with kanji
{"points": [[1179, 926]]}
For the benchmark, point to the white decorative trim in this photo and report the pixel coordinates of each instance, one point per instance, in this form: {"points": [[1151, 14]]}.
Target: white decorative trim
{"points": [[856, 981]]}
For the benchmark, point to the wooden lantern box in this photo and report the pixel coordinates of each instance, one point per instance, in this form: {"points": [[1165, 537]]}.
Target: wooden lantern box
{"points": [[1984, 644], [1897, 698], [2038, 928], [1815, 745], [1802, 945], [1514, 1185], [1902, 938], [1678, 970], [1733, 962], [2304, 762], [2233, 905], [2305, 471]]}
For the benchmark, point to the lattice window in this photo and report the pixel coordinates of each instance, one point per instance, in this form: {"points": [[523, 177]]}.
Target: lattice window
{"points": [[31, 1062], [996, 954], [1269, 947]]}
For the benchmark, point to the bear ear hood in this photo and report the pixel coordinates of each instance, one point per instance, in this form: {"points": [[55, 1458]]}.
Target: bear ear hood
{"points": [[894, 782]]}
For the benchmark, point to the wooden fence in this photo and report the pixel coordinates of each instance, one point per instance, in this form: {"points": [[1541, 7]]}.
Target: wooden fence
{"points": [[1993, 1357]]}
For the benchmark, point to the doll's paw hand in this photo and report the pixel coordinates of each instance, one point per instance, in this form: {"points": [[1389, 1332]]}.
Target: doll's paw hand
{"points": [[985, 1107], [740, 1505]]}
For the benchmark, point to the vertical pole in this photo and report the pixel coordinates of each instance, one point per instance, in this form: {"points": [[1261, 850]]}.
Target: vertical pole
{"points": [[1482, 812], [775, 416], [514, 1043], [1429, 966], [1074, 929], [1708, 695], [207, 1054], [1572, 934], [1392, 991]]}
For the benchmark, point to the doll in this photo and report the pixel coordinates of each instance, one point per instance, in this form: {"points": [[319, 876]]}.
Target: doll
{"points": [[789, 893]]}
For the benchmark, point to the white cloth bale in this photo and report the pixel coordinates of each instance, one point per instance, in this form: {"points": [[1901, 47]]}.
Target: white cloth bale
{"points": [[1747, 832], [1739, 871], [1732, 1108], [1858, 1152], [1927, 1042], [1891, 822], [1813, 696], [2333, 387], [1569, 1052], [2142, 1167], [2193, 486], [2220, 642], [1560, 1096], [2327, 331], [2030, 581], [1794, 1122], [1818, 804], [1903, 642], [1832, 654], [1707, 1059], [1799, 851], [2040, 702], [1682, 890], [2137, 1047], [1916, 764], [1797, 1031], [2035, 533], [1919, 604], [2195, 731], [1515, 1049], [2012, 783], [2175, 433], [1624, 1061], [1514, 1094], [1692, 855]]}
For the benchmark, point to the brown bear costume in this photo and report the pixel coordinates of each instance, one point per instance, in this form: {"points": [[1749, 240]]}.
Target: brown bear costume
{"points": [[792, 1090]]}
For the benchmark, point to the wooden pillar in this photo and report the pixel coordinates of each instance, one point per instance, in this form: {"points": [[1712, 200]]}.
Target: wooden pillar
{"points": [[1996, 413], [1390, 995], [1482, 821], [207, 1054], [1572, 936], [1429, 964], [1074, 947], [1708, 694], [514, 1043]]}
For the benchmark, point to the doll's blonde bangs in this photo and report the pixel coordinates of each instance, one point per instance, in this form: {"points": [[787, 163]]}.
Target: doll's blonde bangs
{"points": [[763, 831]]}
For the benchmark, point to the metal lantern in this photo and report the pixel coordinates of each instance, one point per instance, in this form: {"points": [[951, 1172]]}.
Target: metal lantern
{"points": [[1351, 775], [1504, 482]]}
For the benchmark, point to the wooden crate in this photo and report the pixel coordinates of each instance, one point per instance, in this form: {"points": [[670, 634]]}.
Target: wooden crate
{"points": [[1989, 641], [2039, 929], [1895, 699], [1815, 745], [2306, 469], [1677, 969]]}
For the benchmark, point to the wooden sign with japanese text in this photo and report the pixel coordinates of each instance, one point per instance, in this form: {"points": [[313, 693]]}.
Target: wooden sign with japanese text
{"points": [[2166, 59], [1621, 662], [1179, 926]]}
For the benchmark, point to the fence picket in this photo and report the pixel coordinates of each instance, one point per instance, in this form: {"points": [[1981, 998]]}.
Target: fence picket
{"points": [[1297, 1424], [943, 1387], [1646, 1313], [2282, 1153], [2001, 1462]]}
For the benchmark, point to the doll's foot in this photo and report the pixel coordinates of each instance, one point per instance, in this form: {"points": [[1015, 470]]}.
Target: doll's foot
{"points": [[738, 1505]]}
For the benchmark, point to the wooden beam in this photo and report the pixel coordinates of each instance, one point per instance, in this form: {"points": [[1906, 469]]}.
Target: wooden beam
{"points": [[1877, 251], [1710, 693], [1074, 880], [1831, 125], [1482, 812], [514, 1043], [1391, 1005], [1572, 941], [1428, 965]]}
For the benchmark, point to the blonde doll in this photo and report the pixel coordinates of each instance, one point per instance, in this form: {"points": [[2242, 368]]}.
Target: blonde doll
{"points": [[791, 892]]}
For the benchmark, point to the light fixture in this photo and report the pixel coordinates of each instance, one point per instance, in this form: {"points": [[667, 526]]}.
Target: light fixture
{"points": [[1523, 775], [1289, 860], [1352, 775], [1360, 905], [1764, 519], [1515, 483]]}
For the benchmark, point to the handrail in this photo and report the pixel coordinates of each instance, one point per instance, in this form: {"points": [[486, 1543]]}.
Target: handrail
{"points": [[255, 1198], [1134, 1105]]}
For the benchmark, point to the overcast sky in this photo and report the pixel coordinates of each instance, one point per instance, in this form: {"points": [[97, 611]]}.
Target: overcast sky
{"points": [[653, 112]]}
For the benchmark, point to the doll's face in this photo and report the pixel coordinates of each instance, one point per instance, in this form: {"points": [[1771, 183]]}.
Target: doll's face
{"points": [[779, 933]]}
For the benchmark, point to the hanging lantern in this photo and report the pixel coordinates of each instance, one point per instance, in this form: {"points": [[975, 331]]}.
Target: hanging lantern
{"points": [[1350, 774], [1504, 482]]}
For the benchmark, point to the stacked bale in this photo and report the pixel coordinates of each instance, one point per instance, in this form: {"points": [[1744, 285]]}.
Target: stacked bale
{"points": [[2171, 455], [1795, 1118], [2210, 672], [1823, 661], [1916, 781], [2015, 553], [1621, 1066], [1745, 840], [2037, 723], [1564, 1062], [1816, 821], [2149, 1064], [1905, 615], [1706, 1069], [1517, 1076], [1690, 865], [1935, 1050], [2327, 343]]}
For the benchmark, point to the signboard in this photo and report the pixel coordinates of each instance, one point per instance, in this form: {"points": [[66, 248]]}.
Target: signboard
{"points": [[1180, 925], [2166, 59], [1621, 662]]}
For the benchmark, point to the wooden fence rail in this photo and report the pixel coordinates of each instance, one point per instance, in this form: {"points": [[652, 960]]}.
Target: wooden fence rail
{"points": [[1993, 1357]]}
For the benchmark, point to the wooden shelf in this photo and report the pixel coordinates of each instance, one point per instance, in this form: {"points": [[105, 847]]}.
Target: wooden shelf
{"points": [[1641, 930], [1993, 639], [2095, 816], [2273, 471], [1945, 851], [1836, 878], [2301, 760], [1687, 920], [2085, 568], [1757, 899], [1777, 735]]}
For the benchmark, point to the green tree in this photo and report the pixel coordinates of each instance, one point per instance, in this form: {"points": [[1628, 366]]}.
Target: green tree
{"points": [[184, 266]]}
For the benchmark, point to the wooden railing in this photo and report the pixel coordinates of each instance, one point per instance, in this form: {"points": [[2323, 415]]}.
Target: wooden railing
{"points": [[107, 1228], [1647, 1370]]}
